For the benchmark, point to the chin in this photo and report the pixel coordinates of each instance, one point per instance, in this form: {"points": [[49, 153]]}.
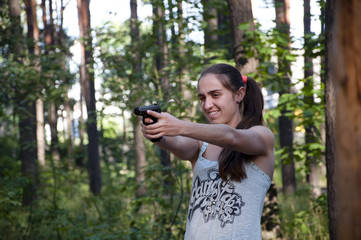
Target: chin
{"points": [[214, 121]]}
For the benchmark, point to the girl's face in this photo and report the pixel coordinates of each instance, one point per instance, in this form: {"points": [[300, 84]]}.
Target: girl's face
{"points": [[219, 104]]}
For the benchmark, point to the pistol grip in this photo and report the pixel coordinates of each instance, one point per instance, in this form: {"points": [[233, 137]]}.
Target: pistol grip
{"points": [[151, 117], [154, 121]]}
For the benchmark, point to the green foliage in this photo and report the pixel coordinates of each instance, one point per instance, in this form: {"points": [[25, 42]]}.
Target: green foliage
{"points": [[303, 216]]}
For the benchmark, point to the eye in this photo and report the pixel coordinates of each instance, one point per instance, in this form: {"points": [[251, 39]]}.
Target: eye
{"points": [[215, 95], [201, 99]]}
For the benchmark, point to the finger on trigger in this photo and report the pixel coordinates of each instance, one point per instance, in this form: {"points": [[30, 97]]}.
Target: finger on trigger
{"points": [[153, 113]]}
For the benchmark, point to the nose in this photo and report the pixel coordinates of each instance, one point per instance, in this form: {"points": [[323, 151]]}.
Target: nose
{"points": [[208, 103]]}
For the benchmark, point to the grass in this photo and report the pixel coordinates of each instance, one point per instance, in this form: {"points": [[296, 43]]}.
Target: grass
{"points": [[303, 216]]}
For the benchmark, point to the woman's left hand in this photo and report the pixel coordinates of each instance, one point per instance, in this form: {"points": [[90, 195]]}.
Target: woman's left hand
{"points": [[167, 125]]}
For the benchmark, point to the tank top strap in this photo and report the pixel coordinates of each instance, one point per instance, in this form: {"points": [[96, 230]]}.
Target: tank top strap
{"points": [[203, 149]]}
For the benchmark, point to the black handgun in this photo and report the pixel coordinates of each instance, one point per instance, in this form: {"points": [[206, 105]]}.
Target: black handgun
{"points": [[142, 111]]}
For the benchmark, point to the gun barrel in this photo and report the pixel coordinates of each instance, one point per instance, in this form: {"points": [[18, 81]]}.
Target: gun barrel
{"points": [[143, 109], [137, 111]]}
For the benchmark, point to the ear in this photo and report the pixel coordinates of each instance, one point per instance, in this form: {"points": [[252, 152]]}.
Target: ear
{"points": [[240, 94]]}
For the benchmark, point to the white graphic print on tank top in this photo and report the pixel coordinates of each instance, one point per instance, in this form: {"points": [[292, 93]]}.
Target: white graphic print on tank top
{"points": [[215, 198]]}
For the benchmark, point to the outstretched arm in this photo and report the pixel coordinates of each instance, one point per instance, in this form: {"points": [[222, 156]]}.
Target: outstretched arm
{"points": [[257, 140], [184, 148]]}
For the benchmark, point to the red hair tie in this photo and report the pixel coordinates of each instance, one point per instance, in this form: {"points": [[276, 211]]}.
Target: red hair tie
{"points": [[244, 78]]}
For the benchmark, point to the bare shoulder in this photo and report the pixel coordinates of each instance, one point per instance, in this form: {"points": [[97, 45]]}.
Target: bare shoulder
{"points": [[265, 161], [265, 133]]}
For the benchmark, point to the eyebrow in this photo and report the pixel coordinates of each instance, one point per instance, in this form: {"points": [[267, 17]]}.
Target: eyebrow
{"points": [[210, 92]]}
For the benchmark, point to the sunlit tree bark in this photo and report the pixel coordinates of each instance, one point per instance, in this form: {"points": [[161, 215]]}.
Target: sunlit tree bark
{"points": [[241, 12], [345, 69]]}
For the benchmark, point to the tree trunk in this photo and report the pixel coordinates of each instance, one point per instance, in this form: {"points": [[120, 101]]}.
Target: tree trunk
{"points": [[284, 122], [345, 69], [188, 108], [52, 108], [225, 38], [79, 160], [330, 112], [161, 58], [88, 89], [40, 131], [241, 12], [28, 149], [53, 122], [210, 16], [33, 36], [311, 136], [25, 111], [140, 160], [161, 64]]}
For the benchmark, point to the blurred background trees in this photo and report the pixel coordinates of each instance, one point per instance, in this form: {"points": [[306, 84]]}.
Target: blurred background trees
{"points": [[73, 162]]}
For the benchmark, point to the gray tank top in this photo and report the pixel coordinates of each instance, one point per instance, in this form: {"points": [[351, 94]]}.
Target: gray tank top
{"points": [[225, 210]]}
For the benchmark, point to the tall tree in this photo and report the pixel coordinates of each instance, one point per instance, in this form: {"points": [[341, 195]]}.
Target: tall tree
{"points": [[241, 12], [25, 111], [285, 123], [161, 61], [345, 69], [162, 55], [33, 36], [88, 90], [189, 110], [49, 32], [210, 16], [330, 116], [140, 160], [311, 135]]}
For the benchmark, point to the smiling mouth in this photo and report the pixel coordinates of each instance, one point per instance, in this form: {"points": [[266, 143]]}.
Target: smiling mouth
{"points": [[212, 113]]}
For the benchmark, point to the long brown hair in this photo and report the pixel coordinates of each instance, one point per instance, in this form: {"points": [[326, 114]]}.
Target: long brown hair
{"points": [[231, 163]]}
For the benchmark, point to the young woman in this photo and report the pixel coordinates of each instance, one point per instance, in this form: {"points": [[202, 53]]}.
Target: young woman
{"points": [[232, 158]]}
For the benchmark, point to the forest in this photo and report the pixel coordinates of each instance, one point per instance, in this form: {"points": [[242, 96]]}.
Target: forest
{"points": [[74, 163]]}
